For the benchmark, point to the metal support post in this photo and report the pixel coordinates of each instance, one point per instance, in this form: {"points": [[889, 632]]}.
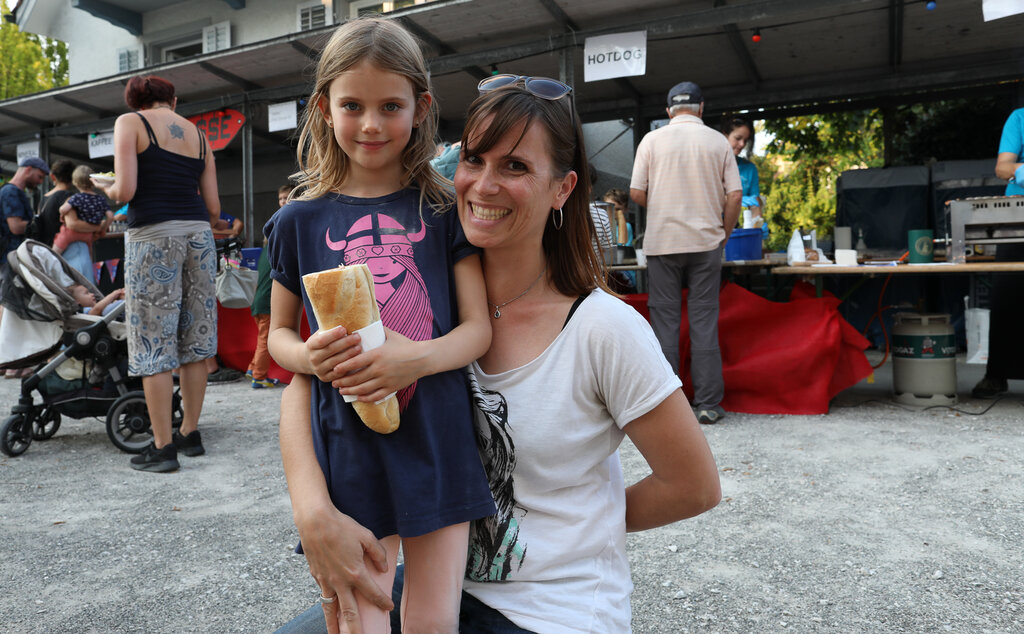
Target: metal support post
{"points": [[248, 207]]}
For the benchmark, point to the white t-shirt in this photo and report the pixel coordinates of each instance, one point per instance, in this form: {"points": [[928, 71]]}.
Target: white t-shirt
{"points": [[554, 557]]}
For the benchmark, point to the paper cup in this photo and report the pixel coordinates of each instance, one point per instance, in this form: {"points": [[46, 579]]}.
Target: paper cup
{"points": [[641, 259]]}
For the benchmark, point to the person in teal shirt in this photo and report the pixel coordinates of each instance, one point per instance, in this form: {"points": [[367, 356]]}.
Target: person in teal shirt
{"points": [[740, 134], [1006, 348], [1011, 151]]}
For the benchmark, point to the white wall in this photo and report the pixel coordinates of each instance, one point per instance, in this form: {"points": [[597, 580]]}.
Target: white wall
{"points": [[259, 20], [93, 43]]}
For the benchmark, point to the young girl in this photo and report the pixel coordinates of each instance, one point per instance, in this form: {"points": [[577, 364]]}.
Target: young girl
{"points": [[369, 195], [83, 217]]}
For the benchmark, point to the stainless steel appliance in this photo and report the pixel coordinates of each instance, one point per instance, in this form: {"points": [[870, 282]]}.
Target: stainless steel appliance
{"points": [[990, 220]]}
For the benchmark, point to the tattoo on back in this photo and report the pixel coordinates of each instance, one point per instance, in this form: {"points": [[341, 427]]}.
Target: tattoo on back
{"points": [[176, 131]]}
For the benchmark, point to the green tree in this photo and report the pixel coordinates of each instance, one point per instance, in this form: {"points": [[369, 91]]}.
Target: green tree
{"points": [[808, 153], [29, 63], [803, 161]]}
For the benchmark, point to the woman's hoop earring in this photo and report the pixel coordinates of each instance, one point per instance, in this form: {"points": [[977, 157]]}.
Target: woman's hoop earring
{"points": [[556, 220]]}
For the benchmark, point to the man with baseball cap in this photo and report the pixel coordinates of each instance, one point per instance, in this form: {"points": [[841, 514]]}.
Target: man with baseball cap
{"points": [[17, 210], [685, 175]]}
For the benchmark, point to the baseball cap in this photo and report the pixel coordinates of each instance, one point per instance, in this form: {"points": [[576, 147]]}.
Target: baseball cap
{"points": [[684, 92], [36, 162]]}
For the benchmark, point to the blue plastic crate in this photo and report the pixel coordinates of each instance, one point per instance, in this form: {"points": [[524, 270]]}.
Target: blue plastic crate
{"points": [[743, 244]]}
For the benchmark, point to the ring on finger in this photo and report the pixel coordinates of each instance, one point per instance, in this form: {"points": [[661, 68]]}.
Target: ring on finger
{"points": [[327, 600]]}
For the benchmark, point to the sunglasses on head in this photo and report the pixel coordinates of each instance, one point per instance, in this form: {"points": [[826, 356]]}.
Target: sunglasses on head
{"points": [[543, 87]]}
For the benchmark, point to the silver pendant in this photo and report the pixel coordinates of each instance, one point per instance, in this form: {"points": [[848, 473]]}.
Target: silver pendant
{"points": [[497, 313]]}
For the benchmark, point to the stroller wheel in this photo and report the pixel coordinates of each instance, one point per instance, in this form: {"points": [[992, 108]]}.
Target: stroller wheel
{"points": [[16, 435], [46, 425], [128, 423]]}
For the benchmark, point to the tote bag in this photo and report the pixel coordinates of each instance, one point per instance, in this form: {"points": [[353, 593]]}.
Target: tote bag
{"points": [[236, 286]]}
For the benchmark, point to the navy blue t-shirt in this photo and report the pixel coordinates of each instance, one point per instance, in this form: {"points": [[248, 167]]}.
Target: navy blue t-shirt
{"points": [[91, 208], [13, 204], [427, 474]]}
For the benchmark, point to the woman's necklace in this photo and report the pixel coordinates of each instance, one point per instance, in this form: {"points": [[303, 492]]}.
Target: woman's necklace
{"points": [[498, 307]]}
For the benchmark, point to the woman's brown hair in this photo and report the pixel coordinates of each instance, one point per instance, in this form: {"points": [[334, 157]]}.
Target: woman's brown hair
{"points": [[737, 122], [575, 267], [323, 166], [145, 90]]}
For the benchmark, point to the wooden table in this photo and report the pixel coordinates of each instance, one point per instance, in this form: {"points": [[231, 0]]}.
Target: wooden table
{"points": [[872, 270], [741, 267]]}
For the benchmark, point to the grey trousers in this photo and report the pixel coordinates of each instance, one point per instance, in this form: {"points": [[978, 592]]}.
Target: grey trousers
{"points": [[702, 274]]}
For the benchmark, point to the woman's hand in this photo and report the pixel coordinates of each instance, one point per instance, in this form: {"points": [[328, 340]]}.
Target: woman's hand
{"points": [[374, 374], [326, 349], [337, 549], [103, 186]]}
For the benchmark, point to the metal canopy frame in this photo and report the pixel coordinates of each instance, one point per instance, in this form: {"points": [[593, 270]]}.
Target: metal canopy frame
{"points": [[813, 56]]}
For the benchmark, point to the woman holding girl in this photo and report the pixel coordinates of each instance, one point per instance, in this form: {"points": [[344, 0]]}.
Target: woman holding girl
{"points": [[369, 195], [570, 372], [84, 217]]}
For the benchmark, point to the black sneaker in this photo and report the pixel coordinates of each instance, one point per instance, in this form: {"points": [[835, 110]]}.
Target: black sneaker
{"points": [[158, 460], [191, 445], [711, 415], [990, 388], [224, 375]]}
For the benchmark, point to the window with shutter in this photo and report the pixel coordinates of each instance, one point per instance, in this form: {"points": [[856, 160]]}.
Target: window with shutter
{"points": [[217, 37], [128, 59], [313, 15]]}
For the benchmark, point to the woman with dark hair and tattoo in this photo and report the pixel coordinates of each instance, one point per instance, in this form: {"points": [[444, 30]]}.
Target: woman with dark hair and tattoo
{"points": [[164, 169]]}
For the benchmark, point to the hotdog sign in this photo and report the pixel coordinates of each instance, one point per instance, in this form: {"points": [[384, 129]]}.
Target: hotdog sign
{"points": [[219, 126]]}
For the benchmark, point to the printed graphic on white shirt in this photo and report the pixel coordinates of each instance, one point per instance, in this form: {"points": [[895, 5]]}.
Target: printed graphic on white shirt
{"points": [[495, 551]]}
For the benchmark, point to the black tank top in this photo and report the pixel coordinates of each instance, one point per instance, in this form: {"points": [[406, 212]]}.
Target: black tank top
{"points": [[168, 185]]}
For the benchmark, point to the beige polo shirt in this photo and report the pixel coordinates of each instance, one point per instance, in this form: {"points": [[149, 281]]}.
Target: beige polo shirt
{"points": [[687, 169]]}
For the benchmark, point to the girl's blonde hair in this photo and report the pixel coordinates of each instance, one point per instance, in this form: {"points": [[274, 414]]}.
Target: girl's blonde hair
{"points": [[80, 177], [323, 166]]}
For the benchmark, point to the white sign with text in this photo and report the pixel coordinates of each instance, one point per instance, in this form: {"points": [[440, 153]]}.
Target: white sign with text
{"points": [[281, 116], [618, 55], [101, 144], [27, 149]]}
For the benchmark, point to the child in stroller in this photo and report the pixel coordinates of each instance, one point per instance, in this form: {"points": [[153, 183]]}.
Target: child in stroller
{"points": [[80, 359]]}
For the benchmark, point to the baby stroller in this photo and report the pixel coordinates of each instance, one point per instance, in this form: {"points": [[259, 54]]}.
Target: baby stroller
{"points": [[80, 361]]}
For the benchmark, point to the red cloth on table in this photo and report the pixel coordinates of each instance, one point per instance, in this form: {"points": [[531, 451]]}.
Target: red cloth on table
{"points": [[778, 358], [236, 341]]}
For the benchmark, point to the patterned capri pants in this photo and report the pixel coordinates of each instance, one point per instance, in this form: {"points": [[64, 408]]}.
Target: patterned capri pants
{"points": [[171, 302]]}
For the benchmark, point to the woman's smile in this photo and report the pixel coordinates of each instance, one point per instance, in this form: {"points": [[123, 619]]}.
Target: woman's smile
{"points": [[488, 213]]}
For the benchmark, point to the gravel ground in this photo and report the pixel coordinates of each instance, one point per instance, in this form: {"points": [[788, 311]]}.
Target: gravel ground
{"points": [[873, 518]]}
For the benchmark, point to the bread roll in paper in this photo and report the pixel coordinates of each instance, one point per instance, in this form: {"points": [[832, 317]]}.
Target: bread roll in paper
{"points": [[344, 297]]}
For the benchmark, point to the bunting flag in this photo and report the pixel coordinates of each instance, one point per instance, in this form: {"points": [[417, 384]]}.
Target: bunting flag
{"points": [[112, 268], [97, 270]]}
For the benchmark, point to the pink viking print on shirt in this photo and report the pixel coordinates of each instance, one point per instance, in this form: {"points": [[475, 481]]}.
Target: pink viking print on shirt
{"points": [[384, 245]]}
